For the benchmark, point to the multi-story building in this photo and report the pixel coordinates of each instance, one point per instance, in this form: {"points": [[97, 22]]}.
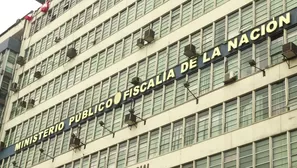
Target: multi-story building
{"points": [[10, 44], [210, 83]]}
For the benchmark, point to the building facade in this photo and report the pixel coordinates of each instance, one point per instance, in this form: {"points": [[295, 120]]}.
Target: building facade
{"points": [[10, 44], [207, 80]]}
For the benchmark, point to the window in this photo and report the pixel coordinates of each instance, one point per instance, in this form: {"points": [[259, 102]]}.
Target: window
{"points": [[261, 11], [202, 163], [93, 160], [122, 22], [189, 134], [142, 148], [230, 159], [106, 28], [261, 104], [214, 161], [90, 131], [161, 64], [218, 74], [177, 135], [109, 56], [262, 153], [169, 96], [220, 32], [245, 110], [216, 121], [158, 95], [291, 4], [118, 52], [207, 38], [131, 157], [165, 25], [131, 14], [278, 99], [276, 8], [186, 13], [204, 81], [103, 159], [197, 8], [279, 145], [147, 105], [276, 49], [182, 44], [245, 68], [193, 82], [231, 116], [86, 70], [261, 55], [208, 6], [175, 19], [293, 137], [127, 46], [292, 101], [246, 156], [165, 139], [180, 91], [121, 155], [112, 157], [202, 126], [78, 74], [114, 24]]}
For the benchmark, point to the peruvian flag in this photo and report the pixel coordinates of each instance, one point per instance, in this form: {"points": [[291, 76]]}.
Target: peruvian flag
{"points": [[44, 8], [29, 17]]}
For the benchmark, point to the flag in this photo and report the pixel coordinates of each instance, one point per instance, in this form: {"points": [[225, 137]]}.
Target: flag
{"points": [[29, 17], [44, 8]]}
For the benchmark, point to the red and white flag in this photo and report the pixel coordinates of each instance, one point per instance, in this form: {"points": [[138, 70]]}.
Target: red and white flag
{"points": [[29, 17], [44, 8]]}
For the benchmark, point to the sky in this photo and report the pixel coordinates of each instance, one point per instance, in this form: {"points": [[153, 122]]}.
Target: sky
{"points": [[11, 10]]}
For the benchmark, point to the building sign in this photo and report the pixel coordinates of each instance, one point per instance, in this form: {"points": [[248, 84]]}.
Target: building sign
{"points": [[244, 40]]}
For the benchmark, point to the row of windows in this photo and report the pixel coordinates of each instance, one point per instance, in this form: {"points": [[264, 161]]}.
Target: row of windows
{"points": [[230, 115], [156, 64], [52, 14], [100, 61], [109, 27], [115, 52], [278, 151]]}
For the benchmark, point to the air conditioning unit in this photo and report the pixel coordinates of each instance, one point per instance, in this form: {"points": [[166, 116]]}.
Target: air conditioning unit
{"points": [[230, 77], [57, 39], [74, 141], [2, 145], [149, 35], [31, 102], [71, 53], [190, 50], [20, 60], [14, 87], [23, 104], [140, 42], [37, 74], [130, 119], [136, 81], [290, 50]]}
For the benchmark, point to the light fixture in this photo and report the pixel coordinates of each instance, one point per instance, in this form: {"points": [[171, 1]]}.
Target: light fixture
{"points": [[42, 152], [187, 85], [102, 124], [253, 64], [136, 81]]}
